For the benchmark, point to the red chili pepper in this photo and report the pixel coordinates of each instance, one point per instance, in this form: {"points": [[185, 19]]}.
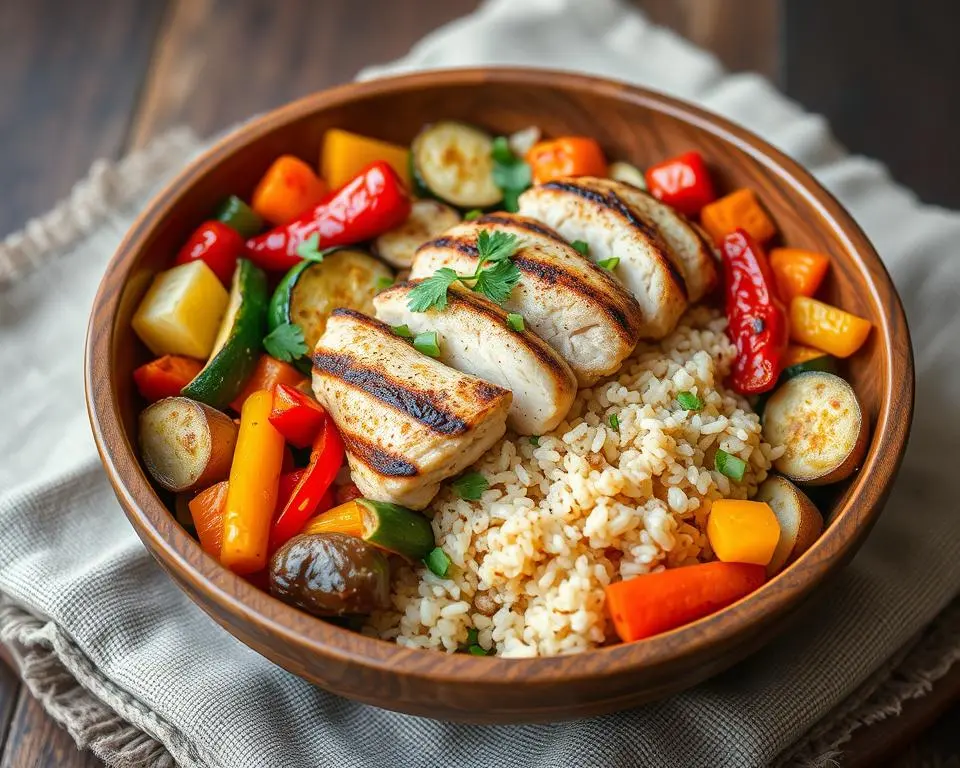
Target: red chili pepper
{"points": [[307, 498], [682, 182], [296, 416], [215, 244], [756, 320], [373, 202], [165, 376]]}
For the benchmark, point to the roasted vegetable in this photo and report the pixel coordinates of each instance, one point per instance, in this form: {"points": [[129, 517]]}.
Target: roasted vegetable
{"points": [[237, 346], [826, 327], [738, 210], [370, 204], [269, 373], [186, 444], [330, 574], [239, 216], [453, 162], [798, 272], [628, 174], [742, 531], [345, 154], [799, 520], [296, 415], [181, 311], [657, 602], [566, 156], [254, 483], [311, 291], [215, 244], [428, 218], [681, 182], [165, 376], [817, 417], [206, 510], [287, 189], [388, 526]]}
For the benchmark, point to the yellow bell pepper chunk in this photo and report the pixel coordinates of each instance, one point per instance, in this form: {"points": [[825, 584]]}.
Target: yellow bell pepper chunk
{"points": [[345, 154], [252, 490], [825, 327], [743, 531], [181, 313]]}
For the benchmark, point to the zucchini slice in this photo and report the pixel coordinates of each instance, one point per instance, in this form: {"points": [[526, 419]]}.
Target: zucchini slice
{"points": [[237, 346], [310, 291], [186, 445], [799, 520], [818, 419], [628, 174], [826, 363], [428, 218], [453, 162]]}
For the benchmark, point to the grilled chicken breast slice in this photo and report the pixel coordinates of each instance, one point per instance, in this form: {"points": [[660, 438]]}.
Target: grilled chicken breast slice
{"points": [[583, 209], [476, 338], [691, 252], [408, 421], [578, 308]]}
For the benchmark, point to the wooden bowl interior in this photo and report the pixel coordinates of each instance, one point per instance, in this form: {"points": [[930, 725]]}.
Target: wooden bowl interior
{"points": [[631, 125]]}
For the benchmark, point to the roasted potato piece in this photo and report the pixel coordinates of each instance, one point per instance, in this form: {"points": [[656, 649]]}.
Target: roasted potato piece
{"points": [[800, 521], [330, 574], [818, 419], [186, 445]]}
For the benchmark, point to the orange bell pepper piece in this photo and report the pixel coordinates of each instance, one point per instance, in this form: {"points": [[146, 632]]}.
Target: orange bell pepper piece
{"points": [[206, 509], [657, 602], [826, 327], [287, 189], [797, 353], [742, 531], [738, 210], [346, 518], [269, 374], [567, 156], [797, 272], [165, 376], [253, 487]]}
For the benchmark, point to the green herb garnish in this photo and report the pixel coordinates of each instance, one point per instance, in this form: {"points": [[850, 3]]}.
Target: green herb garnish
{"points": [[535, 441], [495, 281], [470, 486], [438, 562], [473, 636], [476, 650], [614, 422], [515, 321], [510, 173], [476, 213], [285, 342], [581, 247], [609, 264], [690, 401], [729, 465], [309, 249], [428, 343], [383, 283]]}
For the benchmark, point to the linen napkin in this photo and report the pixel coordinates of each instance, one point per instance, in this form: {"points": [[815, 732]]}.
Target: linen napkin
{"points": [[138, 674]]}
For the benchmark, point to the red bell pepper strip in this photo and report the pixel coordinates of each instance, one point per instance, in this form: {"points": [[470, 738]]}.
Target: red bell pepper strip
{"points": [[165, 376], [288, 482], [682, 182], [326, 458], [367, 206], [296, 416], [756, 320], [216, 244]]}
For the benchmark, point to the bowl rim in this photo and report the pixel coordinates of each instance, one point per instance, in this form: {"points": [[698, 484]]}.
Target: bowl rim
{"points": [[319, 639]]}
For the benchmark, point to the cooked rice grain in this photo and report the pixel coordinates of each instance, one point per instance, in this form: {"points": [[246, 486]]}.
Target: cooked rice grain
{"points": [[590, 505]]}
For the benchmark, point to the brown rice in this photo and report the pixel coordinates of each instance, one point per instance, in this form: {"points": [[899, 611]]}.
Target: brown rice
{"points": [[589, 505]]}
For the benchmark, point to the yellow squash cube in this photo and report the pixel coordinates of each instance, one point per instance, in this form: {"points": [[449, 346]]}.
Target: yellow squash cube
{"points": [[181, 313], [743, 531]]}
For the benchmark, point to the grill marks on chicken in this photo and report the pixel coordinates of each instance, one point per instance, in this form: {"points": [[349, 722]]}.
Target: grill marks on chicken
{"points": [[578, 308], [408, 421]]}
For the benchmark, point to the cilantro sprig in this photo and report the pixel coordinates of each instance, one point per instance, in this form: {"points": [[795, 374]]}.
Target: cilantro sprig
{"points": [[495, 275], [285, 342]]}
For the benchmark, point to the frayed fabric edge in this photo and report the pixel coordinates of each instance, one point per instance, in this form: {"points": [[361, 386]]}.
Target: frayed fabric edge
{"points": [[98, 715], [910, 674]]}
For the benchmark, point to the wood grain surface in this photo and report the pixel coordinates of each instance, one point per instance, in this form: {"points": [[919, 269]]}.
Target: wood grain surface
{"points": [[81, 81]]}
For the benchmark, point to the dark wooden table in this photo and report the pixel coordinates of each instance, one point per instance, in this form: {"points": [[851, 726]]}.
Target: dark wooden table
{"points": [[83, 80]]}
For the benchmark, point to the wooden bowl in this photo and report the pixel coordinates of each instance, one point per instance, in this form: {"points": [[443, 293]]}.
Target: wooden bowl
{"points": [[632, 124]]}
